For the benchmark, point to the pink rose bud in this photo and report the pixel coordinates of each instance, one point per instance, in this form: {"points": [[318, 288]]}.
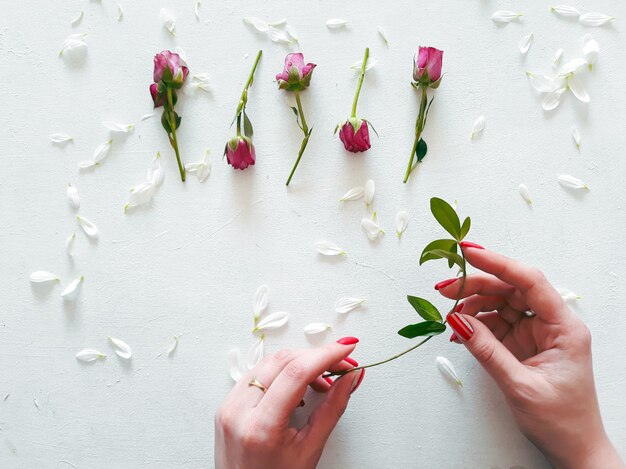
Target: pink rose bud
{"points": [[167, 68], [239, 152], [355, 135], [296, 76], [427, 66], [159, 98]]}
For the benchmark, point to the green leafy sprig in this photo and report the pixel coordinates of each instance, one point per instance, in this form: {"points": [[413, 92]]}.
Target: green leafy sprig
{"points": [[240, 114]]}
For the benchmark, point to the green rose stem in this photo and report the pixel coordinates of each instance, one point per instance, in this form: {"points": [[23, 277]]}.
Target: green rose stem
{"points": [[361, 76], [419, 128], [419, 344], [172, 135], [244, 94], [307, 135]]}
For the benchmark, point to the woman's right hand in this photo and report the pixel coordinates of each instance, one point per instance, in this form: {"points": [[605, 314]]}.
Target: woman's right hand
{"points": [[542, 363]]}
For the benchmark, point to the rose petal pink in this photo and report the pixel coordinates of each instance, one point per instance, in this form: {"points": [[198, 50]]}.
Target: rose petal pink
{"points": [[355, 142], [429, 61], [242, 156], [167, 59], [158, 99]]}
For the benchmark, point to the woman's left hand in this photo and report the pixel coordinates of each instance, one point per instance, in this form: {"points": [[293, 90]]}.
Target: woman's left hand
{"points": [[252, 427]]}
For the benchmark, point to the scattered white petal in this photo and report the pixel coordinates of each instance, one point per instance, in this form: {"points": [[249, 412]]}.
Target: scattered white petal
{"points": [[72, 197], [291, 32], [372, 227], [141, 194], [336, 23], [557, 57], [576, 136], [234, 364], [89, 355], [402, 221], [595, 19], [60, 138], [117, 127], [383, 34], [196, 10], [573, 66], [120, 13], [102, 151], [122, 349], [71, 291], [543, 83], [87, 164], [42, 276], [571, 182], [447, 368], [353, 194], [525, 43], [345, 305], [88, 227], [261, 298], [174, 346], [369, 191], [479, 126], [552, 100], [565, 10], [327, 248], [257, 23], [74, 47], [168, 20], [255, 353], [202, 169], [69, 243], [504, 16], [77, 19], [371, 62], [568, 295], [276, 35], [273, 321], [200, 81], [591, 49], [148, 116], [316, 328], [525, 193], [577, 88], [155, 170]]}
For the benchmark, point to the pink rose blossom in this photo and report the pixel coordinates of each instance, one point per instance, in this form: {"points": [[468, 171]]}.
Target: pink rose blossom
{"points": [[171, 60], [296, 74], [427, 66], [355, 141], [239, 152]]}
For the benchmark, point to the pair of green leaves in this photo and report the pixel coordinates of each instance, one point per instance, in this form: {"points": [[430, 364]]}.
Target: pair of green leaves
{"points": [[433, 324]]}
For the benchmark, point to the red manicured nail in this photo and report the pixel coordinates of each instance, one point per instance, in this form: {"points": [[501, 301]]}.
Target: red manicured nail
{"points": [[445, 283], [468, 244], [352, 361], [358, 382], [459, 307], [348, 341], [460, 326], [328, 380], [454, 338]]}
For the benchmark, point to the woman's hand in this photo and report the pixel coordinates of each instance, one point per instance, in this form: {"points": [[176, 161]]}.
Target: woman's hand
{"points": [[252, 427], [542, 363]]}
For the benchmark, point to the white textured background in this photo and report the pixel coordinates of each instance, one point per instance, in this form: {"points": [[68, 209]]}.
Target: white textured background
{"points": [[177, 267]]}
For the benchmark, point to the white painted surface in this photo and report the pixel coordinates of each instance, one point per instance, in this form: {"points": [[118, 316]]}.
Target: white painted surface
{"points": [[191, 262]]}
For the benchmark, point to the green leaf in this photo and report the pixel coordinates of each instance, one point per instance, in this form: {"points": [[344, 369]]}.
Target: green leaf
{"points": [[424, 308], [451, 256], [420, 151], [421, 329], [445, 244], [295, 111], [452, 250], [165, 122], [465, 227], [446, 216], [247, 125], [427, 110]]}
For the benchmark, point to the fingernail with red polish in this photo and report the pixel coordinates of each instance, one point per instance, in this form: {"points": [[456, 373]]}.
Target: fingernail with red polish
{"points": [[348, 341], [357, 381], [445, 283], [329, 380], [468, 244], [460, 326], [352, 361], [459, 307], [454, 338]]}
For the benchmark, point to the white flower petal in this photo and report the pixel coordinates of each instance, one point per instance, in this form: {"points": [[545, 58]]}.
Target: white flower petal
{"points": [[261, 299], [557, 57], [595, 19], [577, 89], [155, 170], [327, 248], [568, 295], [72, 197], [353, 194], [201, 168], [277, 35], [565, 10], [85, 164], [74, 47], [571, 182], [335, 23], [383, 34], [89, 355], [255, 353], [273, 321], [60, 138], [543, 83], [199, 81], [572, 66], [591, 49], [479, 126], [120, 13], [504, 16], [88, 227], [234, 364], [316, 328], [372, 229], [552, 100], [402, 221], [168, 20], [174, 346], [141, 194], [525, 43], [525, 193], [77, 19], [280, 22], [148, 116], [371, 62], [102, 151], [345, 305], [41, 276], [69, 243], [118, 127], [369, 191], [292, 34], [196, 10], [576, 136], [257, 23], [447, 368], [122, 349], [71, 291]]}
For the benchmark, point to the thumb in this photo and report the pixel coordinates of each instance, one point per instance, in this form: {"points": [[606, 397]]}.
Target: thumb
{"points": [[495, 358]]}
